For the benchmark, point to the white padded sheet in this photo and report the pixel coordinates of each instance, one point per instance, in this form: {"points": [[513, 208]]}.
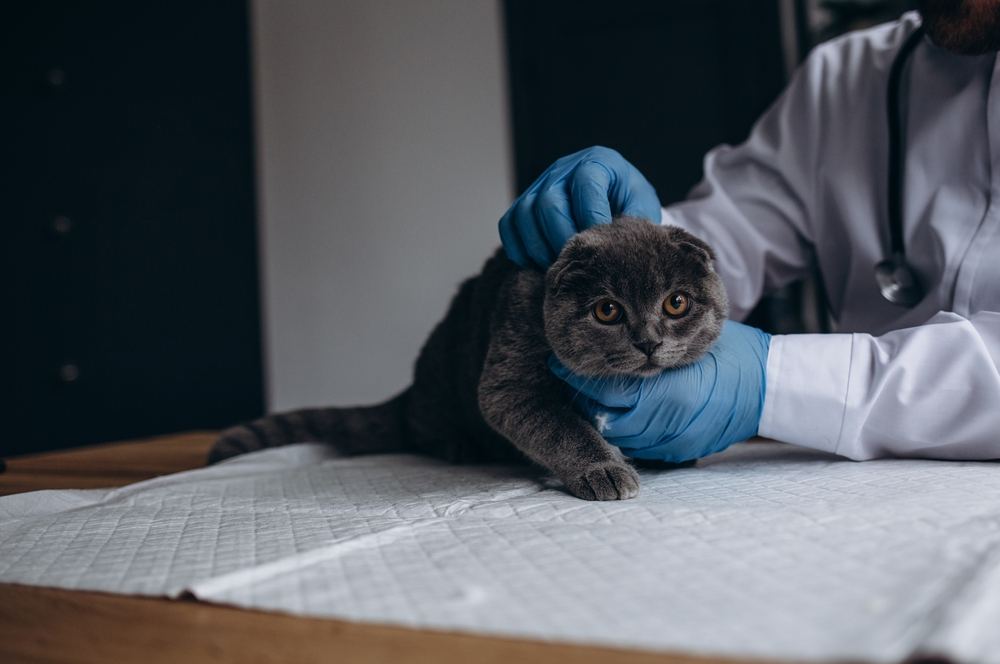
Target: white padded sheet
{"points": [[762, 551]]}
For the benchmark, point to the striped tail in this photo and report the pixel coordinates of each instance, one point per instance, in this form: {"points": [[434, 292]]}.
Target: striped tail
{"points": [[360, 430]]}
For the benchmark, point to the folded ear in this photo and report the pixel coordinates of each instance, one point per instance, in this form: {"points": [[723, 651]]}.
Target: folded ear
{"points": [[572, 263], [688, 242]]}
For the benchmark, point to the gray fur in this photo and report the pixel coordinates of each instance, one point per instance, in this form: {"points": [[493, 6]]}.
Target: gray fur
{"points": [[482, 391]]}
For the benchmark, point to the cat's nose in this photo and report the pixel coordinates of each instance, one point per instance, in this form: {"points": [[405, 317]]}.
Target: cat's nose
{"points": [[647, 347]]}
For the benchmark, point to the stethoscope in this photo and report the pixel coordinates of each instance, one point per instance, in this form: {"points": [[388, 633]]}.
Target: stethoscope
{"points": [[896, 279]]}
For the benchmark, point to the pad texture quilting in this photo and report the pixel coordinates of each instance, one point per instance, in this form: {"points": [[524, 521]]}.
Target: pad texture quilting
{"points": [[762, 551]]}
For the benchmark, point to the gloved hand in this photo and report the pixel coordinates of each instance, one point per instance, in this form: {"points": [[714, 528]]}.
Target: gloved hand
{"points": [[684, 413], [581, 190]]}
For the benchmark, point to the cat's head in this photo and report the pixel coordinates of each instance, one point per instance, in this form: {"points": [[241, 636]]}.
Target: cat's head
{"points": [[632, 298]]}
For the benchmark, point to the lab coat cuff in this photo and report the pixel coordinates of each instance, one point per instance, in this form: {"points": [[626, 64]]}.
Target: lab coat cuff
{"points": [[807, 381]]}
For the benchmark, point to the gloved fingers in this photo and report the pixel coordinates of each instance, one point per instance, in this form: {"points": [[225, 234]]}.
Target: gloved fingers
{"points": [[668, 452], [694, 442], [603, 419], [661, 433], [511, 242], [642, 426], [555, 175], [606, 391], [730, 335], [531, 236], [589, 190], [553, 211], [574, 193], [640, 199], [514, 224], [738, 342], [564, 165], [731, 349]]}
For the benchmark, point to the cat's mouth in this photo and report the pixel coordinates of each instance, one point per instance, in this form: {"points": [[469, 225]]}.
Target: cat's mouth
{"points": [[646, 367], [649, 368], [654, 364], [651, 365], [629, 364]]}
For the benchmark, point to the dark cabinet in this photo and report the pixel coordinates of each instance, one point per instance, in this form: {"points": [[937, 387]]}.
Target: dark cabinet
{"points": [[128, 220]]}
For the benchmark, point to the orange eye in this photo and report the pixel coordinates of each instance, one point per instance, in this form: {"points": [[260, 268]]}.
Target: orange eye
{"points": [[607, 312], [676, 305]]}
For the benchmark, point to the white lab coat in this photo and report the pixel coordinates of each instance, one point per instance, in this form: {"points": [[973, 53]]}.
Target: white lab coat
{"points": [[810, 185]]}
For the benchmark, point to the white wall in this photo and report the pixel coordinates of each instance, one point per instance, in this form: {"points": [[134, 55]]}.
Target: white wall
{"points": [[384, 162]]}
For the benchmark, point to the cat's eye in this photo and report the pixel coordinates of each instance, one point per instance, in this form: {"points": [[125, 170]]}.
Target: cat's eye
{"points": [[676, 305], [608, 312]]}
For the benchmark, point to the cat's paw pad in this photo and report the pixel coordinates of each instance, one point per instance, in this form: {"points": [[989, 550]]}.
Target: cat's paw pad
{"points": [[607, 480]]}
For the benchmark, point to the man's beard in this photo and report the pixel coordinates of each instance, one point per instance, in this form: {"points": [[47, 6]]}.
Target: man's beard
{"points": [[968, 27]]}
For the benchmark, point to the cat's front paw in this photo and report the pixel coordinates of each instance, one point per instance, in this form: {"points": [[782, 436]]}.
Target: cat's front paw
{"points": [[605, 480]]}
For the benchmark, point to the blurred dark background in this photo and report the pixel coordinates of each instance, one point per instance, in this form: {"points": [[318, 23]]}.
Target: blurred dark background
{"points": [[133, 252]]}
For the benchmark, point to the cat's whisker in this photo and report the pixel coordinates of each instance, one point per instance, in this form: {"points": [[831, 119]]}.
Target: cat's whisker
{"points": [[601, 375], [585, 385]]}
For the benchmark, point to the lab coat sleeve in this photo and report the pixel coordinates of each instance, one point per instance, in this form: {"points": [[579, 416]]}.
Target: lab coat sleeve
{"points": [[754, 205], [931, 391]]}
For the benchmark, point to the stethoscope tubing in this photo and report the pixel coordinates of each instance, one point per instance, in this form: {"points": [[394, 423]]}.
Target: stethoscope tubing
{"points": [[897, 141], [897, 280]]}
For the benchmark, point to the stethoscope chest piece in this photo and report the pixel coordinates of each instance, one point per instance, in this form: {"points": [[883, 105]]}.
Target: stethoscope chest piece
{"points": [[898, 282]]}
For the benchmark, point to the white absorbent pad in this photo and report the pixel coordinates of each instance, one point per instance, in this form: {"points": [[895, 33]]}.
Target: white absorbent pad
{"points": [[762, 551]]}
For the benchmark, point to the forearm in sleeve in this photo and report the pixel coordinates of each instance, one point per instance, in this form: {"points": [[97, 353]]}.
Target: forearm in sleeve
{"points": [[931, 391]]}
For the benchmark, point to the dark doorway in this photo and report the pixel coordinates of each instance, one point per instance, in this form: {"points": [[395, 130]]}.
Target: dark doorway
{"points": [[662, 82]]}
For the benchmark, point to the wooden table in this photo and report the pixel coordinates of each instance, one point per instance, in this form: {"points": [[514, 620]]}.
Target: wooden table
{"points": [[44, 625]]}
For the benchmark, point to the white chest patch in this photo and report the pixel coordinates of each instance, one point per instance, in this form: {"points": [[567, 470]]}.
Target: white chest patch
{"points": [[601, 422]]}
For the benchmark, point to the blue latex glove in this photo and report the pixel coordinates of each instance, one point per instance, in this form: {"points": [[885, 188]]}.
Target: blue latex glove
{"points": [[684, 413], [586, 188]]}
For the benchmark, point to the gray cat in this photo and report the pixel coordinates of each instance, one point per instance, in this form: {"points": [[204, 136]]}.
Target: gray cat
{"points": [[627, 298]]}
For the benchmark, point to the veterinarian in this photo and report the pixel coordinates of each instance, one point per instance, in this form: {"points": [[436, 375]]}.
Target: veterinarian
{"points": [[914, 369]]}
